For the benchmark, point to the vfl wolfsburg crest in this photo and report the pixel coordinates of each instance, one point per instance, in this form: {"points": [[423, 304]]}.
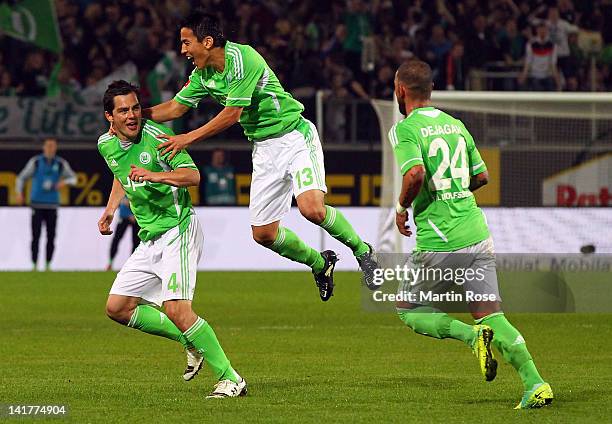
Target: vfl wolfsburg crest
{"points": [[145, 158]]}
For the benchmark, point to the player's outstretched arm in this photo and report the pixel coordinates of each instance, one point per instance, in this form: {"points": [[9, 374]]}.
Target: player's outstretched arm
{"points": [[224, 119], [166, 111], [180, 177], [114, 199]]}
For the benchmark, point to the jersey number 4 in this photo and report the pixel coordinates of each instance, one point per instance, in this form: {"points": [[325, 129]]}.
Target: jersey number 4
{"points": [[172, 284], [458, 164]]}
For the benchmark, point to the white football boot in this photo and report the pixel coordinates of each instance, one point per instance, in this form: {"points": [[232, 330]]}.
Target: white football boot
{"points": [[227, 388], [194, 364]]}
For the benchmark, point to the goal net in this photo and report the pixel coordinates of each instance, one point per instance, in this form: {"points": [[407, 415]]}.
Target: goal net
{"points": [[536, 137]]}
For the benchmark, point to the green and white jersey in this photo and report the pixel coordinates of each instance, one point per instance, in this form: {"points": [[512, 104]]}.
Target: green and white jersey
{"points": [[246, 81], [445, 211], [156, 207]]}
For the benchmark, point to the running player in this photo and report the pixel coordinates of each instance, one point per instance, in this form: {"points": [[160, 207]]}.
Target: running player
{"points": [[441, 169]]}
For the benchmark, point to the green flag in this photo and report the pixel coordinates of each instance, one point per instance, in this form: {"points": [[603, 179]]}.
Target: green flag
{"points": [[33, 21]]}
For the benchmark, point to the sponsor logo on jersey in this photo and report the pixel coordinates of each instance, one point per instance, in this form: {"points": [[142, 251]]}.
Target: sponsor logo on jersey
{"points": [[113, 162], [211, 84], [145, 158]]}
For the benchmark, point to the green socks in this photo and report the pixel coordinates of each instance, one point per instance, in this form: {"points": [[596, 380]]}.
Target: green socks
{"points": [[152, 321], [432, 322], [199, 336], [289, 245], [203, 338], [511, 345], [507, 339], [339, 228]]}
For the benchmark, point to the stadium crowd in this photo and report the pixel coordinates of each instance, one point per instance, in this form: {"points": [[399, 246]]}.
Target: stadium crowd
{"points": [[350, 47]]}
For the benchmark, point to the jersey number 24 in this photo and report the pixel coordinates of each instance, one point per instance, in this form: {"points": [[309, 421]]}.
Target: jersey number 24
{"points": [[458, 164]]}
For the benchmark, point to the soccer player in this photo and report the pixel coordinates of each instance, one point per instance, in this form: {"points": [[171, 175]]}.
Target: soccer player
{"points": [[162, 270], [441, 169], [49, 174], [287, 153]]}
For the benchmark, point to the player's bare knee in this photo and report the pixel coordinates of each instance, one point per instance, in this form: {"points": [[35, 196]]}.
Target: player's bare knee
{"points": [[265, 238], [181, 317], [118, 312], [480, 310], [315, 213]]}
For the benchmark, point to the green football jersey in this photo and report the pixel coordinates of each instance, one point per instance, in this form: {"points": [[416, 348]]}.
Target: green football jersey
{"points": [[445, 211], [246, 81], [156, 207]]}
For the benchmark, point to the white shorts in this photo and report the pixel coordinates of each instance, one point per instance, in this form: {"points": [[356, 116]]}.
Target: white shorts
{"points": [[163, 268], [283, 167], [479, 258]]}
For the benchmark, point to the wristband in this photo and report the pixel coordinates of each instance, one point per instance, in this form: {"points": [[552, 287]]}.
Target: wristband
{"points": [[399, 209]]}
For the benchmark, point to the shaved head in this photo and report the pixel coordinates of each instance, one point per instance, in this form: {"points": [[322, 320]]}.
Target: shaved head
{"points": [[416, 76], [413, 84]]}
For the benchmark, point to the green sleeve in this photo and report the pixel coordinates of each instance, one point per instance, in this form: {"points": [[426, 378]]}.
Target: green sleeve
{"points": [[477, 165], [245, 75], [192, 92], [406, 148]]}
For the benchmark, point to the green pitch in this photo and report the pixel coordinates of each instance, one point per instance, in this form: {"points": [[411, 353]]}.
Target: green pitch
{"points": [[305, 361]]}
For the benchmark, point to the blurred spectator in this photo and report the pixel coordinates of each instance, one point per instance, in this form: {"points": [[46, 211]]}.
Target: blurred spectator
{"points": [[437, 50], [219, 181], [49, 174], [559, 30], [576, 61], [540, 69], [456, 68], [32, 80], [480, 41], [336, 110], [358, 25], [382, 88], [512, 43]]}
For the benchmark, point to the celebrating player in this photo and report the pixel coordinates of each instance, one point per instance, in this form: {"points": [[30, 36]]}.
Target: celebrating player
{"points": [[441, 169], [162, 270], [287, 153]]}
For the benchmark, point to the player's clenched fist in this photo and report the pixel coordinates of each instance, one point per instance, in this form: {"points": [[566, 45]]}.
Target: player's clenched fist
{"points": [[401, 220], [105, 222]]}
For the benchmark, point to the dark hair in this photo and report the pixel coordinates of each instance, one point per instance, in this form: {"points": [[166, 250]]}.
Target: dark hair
{"points": [[416, 76], [205, 25], [117, 88]]}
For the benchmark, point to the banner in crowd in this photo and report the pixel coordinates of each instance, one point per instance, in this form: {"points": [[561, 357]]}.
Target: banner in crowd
{"points": [[27, 118], [32, 21], [587, 184]]}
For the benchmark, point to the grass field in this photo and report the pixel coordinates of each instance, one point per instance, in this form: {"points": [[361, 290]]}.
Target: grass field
{"points": [[305, 360]]}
